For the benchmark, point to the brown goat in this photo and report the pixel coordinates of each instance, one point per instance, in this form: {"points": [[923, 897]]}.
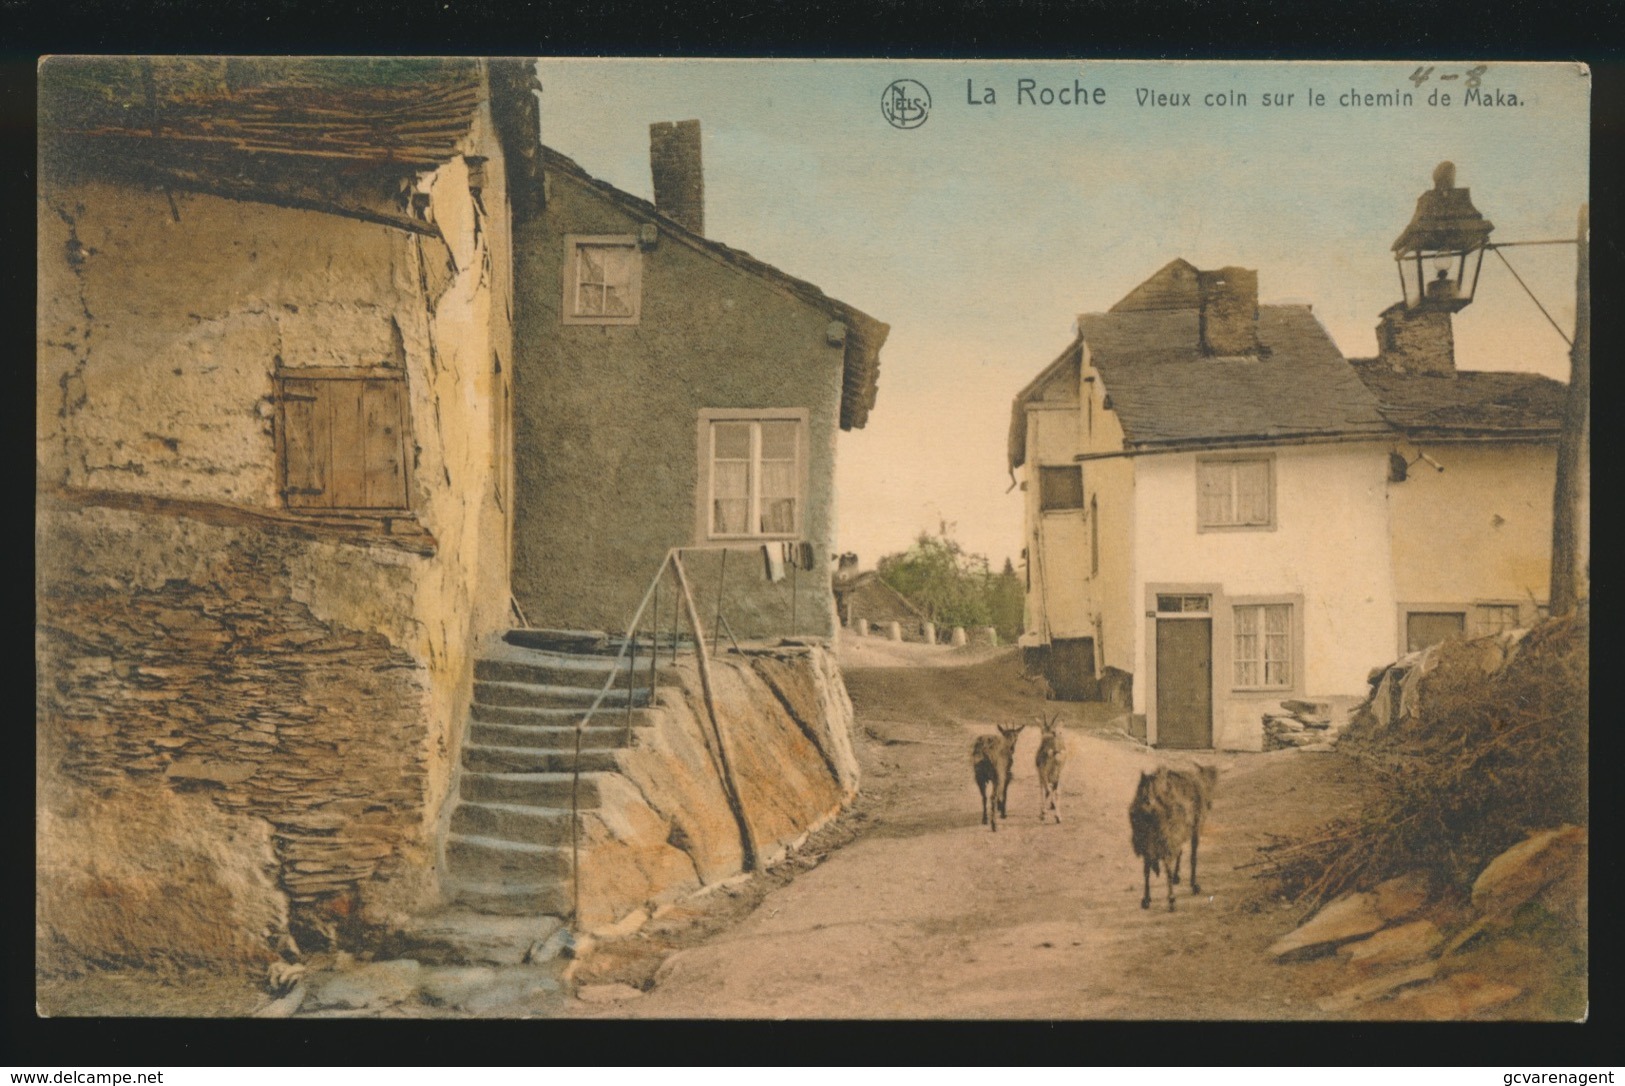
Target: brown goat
{"points": [[1168, 807], [991, 758], [1052, 753]]}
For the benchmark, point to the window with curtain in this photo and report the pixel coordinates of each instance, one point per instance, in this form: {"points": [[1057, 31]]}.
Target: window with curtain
{"points": [[1262, 652], [755, 477], [1235, 492]]}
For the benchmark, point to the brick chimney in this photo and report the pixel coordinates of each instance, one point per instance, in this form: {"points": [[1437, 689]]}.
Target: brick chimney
{"points": [[1416, 341], [1229, 311], [674, 160]]}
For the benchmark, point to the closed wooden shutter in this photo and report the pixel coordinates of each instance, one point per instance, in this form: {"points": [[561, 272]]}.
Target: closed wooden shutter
{"points": [[344, 442]]}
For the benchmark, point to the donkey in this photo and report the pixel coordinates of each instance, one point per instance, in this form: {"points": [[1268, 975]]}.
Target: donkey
{"points": [[1052, 753], [991, 757], [1168, 807]]}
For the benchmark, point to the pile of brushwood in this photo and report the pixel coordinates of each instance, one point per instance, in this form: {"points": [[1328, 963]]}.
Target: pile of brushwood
{"points": [[1484, 760]]}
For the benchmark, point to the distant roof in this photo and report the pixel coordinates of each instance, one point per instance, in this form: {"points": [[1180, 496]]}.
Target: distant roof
{"points": [[864, 336], [1472, 402], [1167, 393]]}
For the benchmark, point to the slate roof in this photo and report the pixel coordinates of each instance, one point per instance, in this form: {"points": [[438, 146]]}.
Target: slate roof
{"points": [[864, 337], [1473, 402], [214, 114], [1167, 393]]}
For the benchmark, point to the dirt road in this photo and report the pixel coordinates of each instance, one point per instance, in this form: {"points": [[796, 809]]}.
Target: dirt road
{"points": [[926, 914]]}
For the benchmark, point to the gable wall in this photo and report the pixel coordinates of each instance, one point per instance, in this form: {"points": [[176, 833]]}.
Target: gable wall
{"points": [[607, 426]]}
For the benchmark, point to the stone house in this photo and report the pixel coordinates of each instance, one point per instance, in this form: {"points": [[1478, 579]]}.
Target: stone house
{"points": [[1223, 512], [276, 515], [688, 394]]}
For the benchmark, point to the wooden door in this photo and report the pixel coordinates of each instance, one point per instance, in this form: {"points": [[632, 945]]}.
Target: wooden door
{"points": [[1185, 683]]}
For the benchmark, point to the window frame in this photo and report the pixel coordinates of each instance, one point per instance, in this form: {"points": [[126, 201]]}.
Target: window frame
{"points": [[1407, 609], [1294, 641], [573, 244], [1047, 510], [705, 491], [1208, 461], [283, 396], [1480, 607]]}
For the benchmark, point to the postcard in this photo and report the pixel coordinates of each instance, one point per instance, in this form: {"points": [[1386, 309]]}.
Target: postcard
{"points": [[807, 539]]}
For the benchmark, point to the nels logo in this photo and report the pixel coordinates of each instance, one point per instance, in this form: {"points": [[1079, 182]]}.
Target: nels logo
{"points": [[905, 104]]}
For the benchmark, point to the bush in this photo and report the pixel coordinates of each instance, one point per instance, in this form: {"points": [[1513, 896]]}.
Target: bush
{"points": [[954, 588]]}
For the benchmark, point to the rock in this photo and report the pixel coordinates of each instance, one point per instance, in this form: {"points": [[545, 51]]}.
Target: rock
{"points": [[1377, 988], [1349, 917], [465, 937], [606, 993], [625, 926], [518, 992], [1568, 896], [373, 985], [1527, 868], [284, 1006], [563, 943], [1400, 897], [1393, 946], [1459, 996], [455, 985]]}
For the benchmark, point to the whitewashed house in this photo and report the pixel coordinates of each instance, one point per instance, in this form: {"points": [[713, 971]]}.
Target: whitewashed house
{"points": [[1223, 512]]}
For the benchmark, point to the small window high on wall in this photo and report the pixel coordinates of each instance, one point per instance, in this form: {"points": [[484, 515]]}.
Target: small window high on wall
{"points": [[342, 439], [1235, 492], [1060, 488], [754, 478], [603, 280]]}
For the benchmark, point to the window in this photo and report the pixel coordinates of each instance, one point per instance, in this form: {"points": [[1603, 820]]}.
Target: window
{"points": [[1060, 488], [1492, 618], [1094, 537], [1262, 655], [343, 439], [602, 280], [1424, 628], [755, 482], [1235, 492], [1184, 604]]}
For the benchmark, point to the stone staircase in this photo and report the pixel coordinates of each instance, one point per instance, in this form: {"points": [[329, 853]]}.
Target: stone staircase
{"points": [[508, 850]]}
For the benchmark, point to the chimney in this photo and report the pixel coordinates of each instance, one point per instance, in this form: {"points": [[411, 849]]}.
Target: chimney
{"points": [[674, 160], [1416, 341], [1229, 311]]}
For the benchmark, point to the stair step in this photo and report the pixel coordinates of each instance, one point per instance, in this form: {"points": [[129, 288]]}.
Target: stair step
{"points": [[530, 789], [562, 669], [583, 642], [503, 759], [512, 822], [549, 737], [464, 937], [543, 695], [495, 858], [509, 898], [557, 717]]}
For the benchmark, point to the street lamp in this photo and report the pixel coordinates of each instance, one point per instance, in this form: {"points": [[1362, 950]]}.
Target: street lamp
{"points": [[1443, 246]]}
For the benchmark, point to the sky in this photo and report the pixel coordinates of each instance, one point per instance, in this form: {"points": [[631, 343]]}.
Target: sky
{"points": [[983, 231]]}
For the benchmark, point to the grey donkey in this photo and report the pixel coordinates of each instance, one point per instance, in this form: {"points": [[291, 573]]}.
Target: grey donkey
{"points": [[1169, 806], [1051, 758], [991, 758]]}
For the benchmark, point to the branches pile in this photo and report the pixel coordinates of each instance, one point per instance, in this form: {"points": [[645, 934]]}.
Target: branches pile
{"points": [[1485, 761]]}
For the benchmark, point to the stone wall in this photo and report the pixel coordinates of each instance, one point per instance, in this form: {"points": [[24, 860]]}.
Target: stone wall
{"points": [[665, 827], [200, 643]]}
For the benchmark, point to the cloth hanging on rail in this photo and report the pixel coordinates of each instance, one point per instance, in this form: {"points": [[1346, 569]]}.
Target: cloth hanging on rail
{"points": [[773, 557]]}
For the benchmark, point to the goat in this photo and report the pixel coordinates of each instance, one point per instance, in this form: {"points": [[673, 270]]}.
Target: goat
{"points": [[991, 757], [1168, 807], [1052, 752]]}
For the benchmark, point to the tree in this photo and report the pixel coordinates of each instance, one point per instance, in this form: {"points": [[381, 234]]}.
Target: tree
{"points": [[953, 587]]}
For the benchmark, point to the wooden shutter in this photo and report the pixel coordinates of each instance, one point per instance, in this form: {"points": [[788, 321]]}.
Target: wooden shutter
{"points": [[344, 442]]}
